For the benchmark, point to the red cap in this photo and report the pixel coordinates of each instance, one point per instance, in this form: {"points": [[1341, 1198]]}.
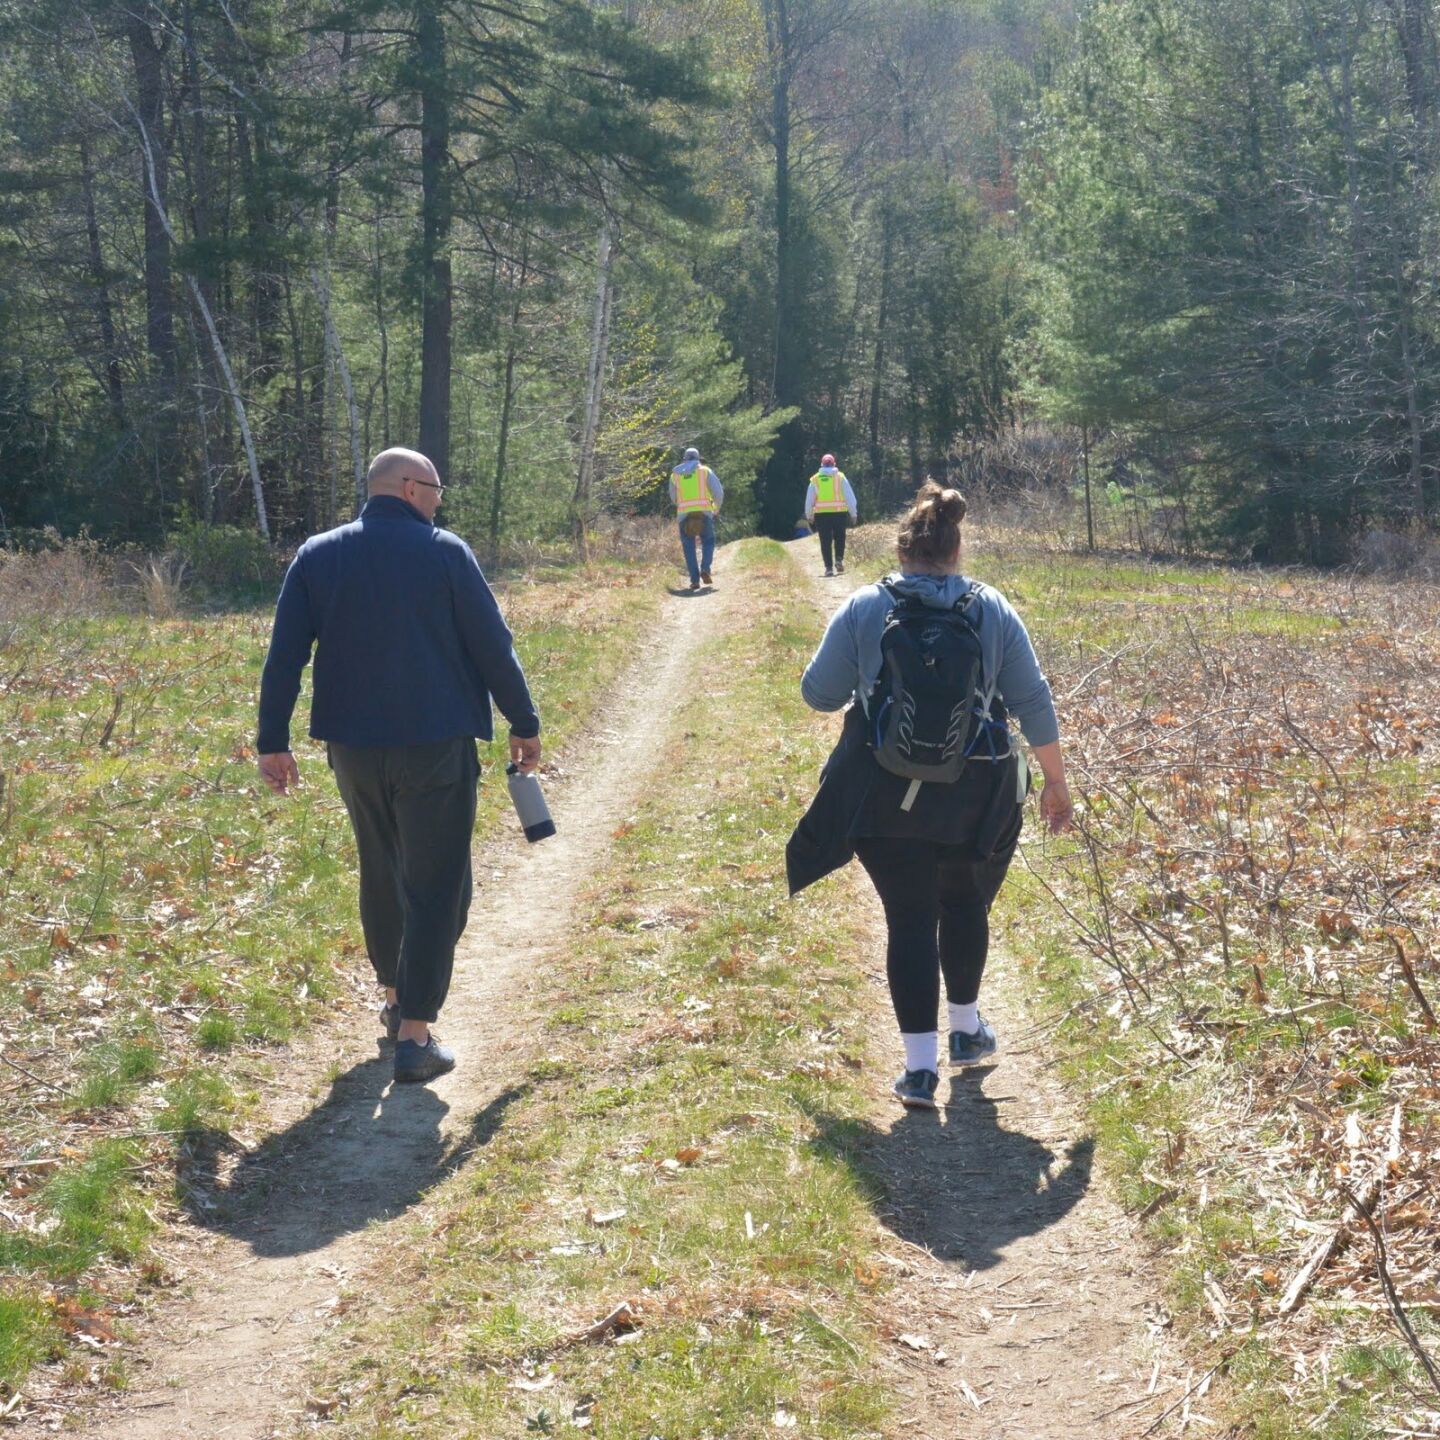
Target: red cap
{"points": [[827, 459]]}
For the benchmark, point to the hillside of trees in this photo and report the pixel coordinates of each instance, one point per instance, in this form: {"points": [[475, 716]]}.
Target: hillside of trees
{"points": [[1179, 252]]}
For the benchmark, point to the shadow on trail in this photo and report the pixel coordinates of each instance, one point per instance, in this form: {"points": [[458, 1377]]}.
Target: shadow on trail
{"points": [[684, 592], [956, 1181], [367, 1152]]}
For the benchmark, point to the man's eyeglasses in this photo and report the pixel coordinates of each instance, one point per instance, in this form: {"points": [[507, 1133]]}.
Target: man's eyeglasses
{"points": [[429, 484]]}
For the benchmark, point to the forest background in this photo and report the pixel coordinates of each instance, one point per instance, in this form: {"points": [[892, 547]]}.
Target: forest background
{"points": [[1180, 257]]}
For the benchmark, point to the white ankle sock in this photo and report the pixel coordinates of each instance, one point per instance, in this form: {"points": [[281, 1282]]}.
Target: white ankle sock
{"points": [[922, 1052], [965, 1018]]}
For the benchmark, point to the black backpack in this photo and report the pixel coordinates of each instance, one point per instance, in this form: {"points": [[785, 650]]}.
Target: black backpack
{"points": [[931, 693]]}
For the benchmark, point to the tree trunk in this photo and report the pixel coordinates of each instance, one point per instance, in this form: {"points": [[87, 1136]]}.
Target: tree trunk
{"points": [[302, 471], [221, 358], [114, 383], [1089, 506], [149, 107], [260, 224], [502, 443], [877, 375], [785, 384], [436, 206], [912, 428], [594, 385], [1410, 25], [321, 285], [1411, 382], [384, 334], [211, 499]]}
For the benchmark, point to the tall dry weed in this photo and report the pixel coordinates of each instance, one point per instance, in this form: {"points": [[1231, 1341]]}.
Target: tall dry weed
{"points": [[161, 582], [644, 539]]}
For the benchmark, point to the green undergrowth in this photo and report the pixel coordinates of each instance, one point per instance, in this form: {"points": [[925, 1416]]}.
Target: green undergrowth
{"points": [[677, 1142], [166, 924]]}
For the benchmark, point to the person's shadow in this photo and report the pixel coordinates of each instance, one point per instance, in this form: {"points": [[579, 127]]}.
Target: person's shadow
{"points": [[684, 592], [367, 1152], [956, 1181]]}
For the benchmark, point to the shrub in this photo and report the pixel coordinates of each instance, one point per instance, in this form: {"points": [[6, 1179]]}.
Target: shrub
{"points": [[56, 577], [1399, 554], [225, 558]]}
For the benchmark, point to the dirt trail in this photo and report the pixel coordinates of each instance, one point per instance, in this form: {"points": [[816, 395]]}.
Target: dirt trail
{"points": [[1008, 1260], [1013, 1261], [305, 1213]]}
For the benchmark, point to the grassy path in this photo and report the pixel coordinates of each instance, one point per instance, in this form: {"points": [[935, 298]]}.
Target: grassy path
{"points": [[706, 1150], [666, 1193], [170, 935]]}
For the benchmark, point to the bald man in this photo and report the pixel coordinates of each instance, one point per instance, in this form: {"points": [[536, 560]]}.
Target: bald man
{"points": [[410, 648]]}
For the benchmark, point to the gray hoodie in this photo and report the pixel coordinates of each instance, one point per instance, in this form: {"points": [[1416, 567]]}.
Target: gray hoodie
{"points": [[847, 664]]}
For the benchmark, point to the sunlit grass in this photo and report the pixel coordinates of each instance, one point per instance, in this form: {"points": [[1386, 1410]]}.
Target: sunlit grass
{"points": [[164, 921]]}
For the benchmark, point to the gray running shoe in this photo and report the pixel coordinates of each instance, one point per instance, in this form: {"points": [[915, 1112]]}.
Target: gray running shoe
{"points": [[390, 1019], [828, 572], [973, 1049], [916, 1089], [415, 1063], [839, 567]]}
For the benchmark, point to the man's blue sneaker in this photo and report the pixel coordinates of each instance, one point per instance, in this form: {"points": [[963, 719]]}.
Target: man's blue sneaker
{"points": [[390, 1019], [916, 1088], [973, 1049], [415, 1063]]}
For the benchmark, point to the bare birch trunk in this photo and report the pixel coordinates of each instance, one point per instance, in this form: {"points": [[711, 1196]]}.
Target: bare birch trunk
{"points": [[321, 285], [221, 358], [594, 386]]}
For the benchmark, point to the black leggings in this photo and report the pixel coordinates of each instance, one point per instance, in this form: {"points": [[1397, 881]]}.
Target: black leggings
{"points": [[830, 526], [937, 909]]}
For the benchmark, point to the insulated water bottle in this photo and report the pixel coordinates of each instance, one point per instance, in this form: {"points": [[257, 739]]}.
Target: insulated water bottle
{"points": [[529, 802]]}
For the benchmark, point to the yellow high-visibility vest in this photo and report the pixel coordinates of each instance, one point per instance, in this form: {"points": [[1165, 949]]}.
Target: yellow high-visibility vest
{"points": [[829, 492], [692, 491]]}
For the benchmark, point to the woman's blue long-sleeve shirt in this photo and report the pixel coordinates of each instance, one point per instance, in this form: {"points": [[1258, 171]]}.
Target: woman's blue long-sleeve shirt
{"points": [[847, 663]]}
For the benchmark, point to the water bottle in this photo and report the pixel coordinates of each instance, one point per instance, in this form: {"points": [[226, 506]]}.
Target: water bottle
{"points": [[529, 802]]}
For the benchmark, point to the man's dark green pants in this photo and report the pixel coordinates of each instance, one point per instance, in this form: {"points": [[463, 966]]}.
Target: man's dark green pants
{"points": [[412, 808]]}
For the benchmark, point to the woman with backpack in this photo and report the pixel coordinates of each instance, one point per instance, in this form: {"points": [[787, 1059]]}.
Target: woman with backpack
{"points": [[926, 786]]}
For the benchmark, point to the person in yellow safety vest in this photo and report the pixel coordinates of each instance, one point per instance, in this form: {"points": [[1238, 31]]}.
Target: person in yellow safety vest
{"points": [[827, 503], [697, 494]]}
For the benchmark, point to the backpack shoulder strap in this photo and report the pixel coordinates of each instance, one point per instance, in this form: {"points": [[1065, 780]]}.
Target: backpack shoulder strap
{"points": [[971, 599]]}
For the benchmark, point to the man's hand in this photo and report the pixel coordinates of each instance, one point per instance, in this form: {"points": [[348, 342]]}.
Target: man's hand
{"points": [[525, 753], [1056, 807], [279, 772]]}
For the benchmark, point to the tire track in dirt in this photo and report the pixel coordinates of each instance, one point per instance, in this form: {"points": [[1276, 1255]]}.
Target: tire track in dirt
{"points": [[1012, 1262], [312, 1209]]}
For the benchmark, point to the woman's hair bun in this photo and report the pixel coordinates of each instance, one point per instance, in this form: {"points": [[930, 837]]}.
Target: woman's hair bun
{"points": [[930, 532], [950, 504]]}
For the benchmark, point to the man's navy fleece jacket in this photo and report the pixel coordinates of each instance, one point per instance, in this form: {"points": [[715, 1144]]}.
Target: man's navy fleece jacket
{"points": [[409, 642]]}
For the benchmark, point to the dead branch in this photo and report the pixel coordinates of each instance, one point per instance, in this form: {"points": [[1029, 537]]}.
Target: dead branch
{"points": [[1408, 971], [1402, 1320], [1323, 1251]]}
